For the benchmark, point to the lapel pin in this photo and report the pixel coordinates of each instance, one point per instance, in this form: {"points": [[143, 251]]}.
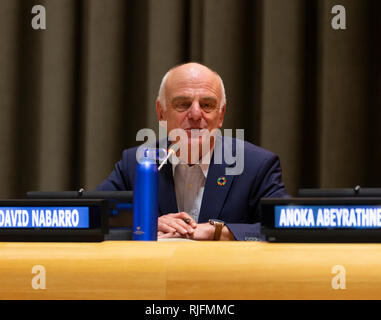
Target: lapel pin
{"points": [[221, 181]]}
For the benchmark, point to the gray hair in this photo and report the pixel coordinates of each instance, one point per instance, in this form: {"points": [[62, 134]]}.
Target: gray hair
{"points": [[162, 98]]}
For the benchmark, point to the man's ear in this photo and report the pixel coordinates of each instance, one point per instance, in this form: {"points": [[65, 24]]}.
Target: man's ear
{"points": [[159, 111], [221, 116]]}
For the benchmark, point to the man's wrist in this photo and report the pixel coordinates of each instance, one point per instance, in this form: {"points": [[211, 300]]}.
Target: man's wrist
{"points": [[226, 234], [218, 225], [219, 231], [211, 232]]}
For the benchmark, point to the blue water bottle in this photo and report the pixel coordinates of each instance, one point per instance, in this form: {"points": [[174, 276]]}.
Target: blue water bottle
{"points": [[146, 206]]}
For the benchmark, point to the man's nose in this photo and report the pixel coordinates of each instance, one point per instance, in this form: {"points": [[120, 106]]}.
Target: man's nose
{"points": [[195, 111]]}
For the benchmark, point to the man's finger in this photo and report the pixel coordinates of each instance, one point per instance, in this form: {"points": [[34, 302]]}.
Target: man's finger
{"points": [[187, 218], [178, 224], [181, 215], [165, 228], [185, 225], [169, 235], [176, 221]]}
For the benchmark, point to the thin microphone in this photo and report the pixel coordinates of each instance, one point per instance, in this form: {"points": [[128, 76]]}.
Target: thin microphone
{"points": [[171, 151]]}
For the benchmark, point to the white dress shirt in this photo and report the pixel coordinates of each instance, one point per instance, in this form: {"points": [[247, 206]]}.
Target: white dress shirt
{"points": [[189, 185]]}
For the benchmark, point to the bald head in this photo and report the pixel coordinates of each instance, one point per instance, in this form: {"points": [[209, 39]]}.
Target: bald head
{"points": [[192, 99], [191, 74]]}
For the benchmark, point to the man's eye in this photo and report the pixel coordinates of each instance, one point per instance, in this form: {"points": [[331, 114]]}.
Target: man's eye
{"points": [[182, 106], [208, 106]]}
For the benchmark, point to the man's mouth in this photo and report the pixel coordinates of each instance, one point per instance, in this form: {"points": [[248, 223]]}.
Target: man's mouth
{"points": [[195, 131]]}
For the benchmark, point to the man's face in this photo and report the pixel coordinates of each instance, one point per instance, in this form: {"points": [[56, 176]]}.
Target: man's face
{"points": [[193, 100]]}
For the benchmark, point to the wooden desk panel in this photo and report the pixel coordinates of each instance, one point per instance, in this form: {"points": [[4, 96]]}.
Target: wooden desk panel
{"points": [[189, 270]]}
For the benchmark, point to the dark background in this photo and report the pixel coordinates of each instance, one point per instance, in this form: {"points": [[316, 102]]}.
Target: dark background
{"points": [[73, 96]]}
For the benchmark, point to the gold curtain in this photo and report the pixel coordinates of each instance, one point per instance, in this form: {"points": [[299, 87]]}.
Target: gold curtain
{"points": [[73, 96]]}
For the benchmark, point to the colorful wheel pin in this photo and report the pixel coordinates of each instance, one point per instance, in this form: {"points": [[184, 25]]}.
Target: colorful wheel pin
{"points": [[221, 181]]}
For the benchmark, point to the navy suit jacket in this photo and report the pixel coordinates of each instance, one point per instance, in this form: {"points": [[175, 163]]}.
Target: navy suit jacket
{"points": [[237, 202]]}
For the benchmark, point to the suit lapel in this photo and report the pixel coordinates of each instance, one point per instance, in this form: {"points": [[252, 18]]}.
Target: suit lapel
{"points": [[217, 187], [167, 195]]}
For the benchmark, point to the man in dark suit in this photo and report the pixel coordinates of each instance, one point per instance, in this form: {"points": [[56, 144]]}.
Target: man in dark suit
{"points": [[198, 199]]}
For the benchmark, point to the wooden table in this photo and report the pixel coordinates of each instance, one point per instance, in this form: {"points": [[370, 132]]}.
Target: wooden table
{"points": [[190, 270]]}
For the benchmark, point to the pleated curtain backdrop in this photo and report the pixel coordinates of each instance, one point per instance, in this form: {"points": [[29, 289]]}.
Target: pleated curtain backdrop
{"points": [[73, 96]]}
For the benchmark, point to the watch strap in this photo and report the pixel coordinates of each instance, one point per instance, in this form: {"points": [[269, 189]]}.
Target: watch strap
{"points": [[218, 230]]}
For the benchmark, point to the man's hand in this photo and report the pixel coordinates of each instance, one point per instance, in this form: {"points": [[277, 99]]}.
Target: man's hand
{"points": [[181, 223], [203, 231]]}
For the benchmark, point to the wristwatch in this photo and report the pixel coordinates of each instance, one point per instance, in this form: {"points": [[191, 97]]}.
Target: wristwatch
{"points": [[218, 225]]}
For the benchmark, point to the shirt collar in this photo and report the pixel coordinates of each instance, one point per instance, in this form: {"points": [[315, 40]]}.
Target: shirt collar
{"points": [[204, 165]]}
